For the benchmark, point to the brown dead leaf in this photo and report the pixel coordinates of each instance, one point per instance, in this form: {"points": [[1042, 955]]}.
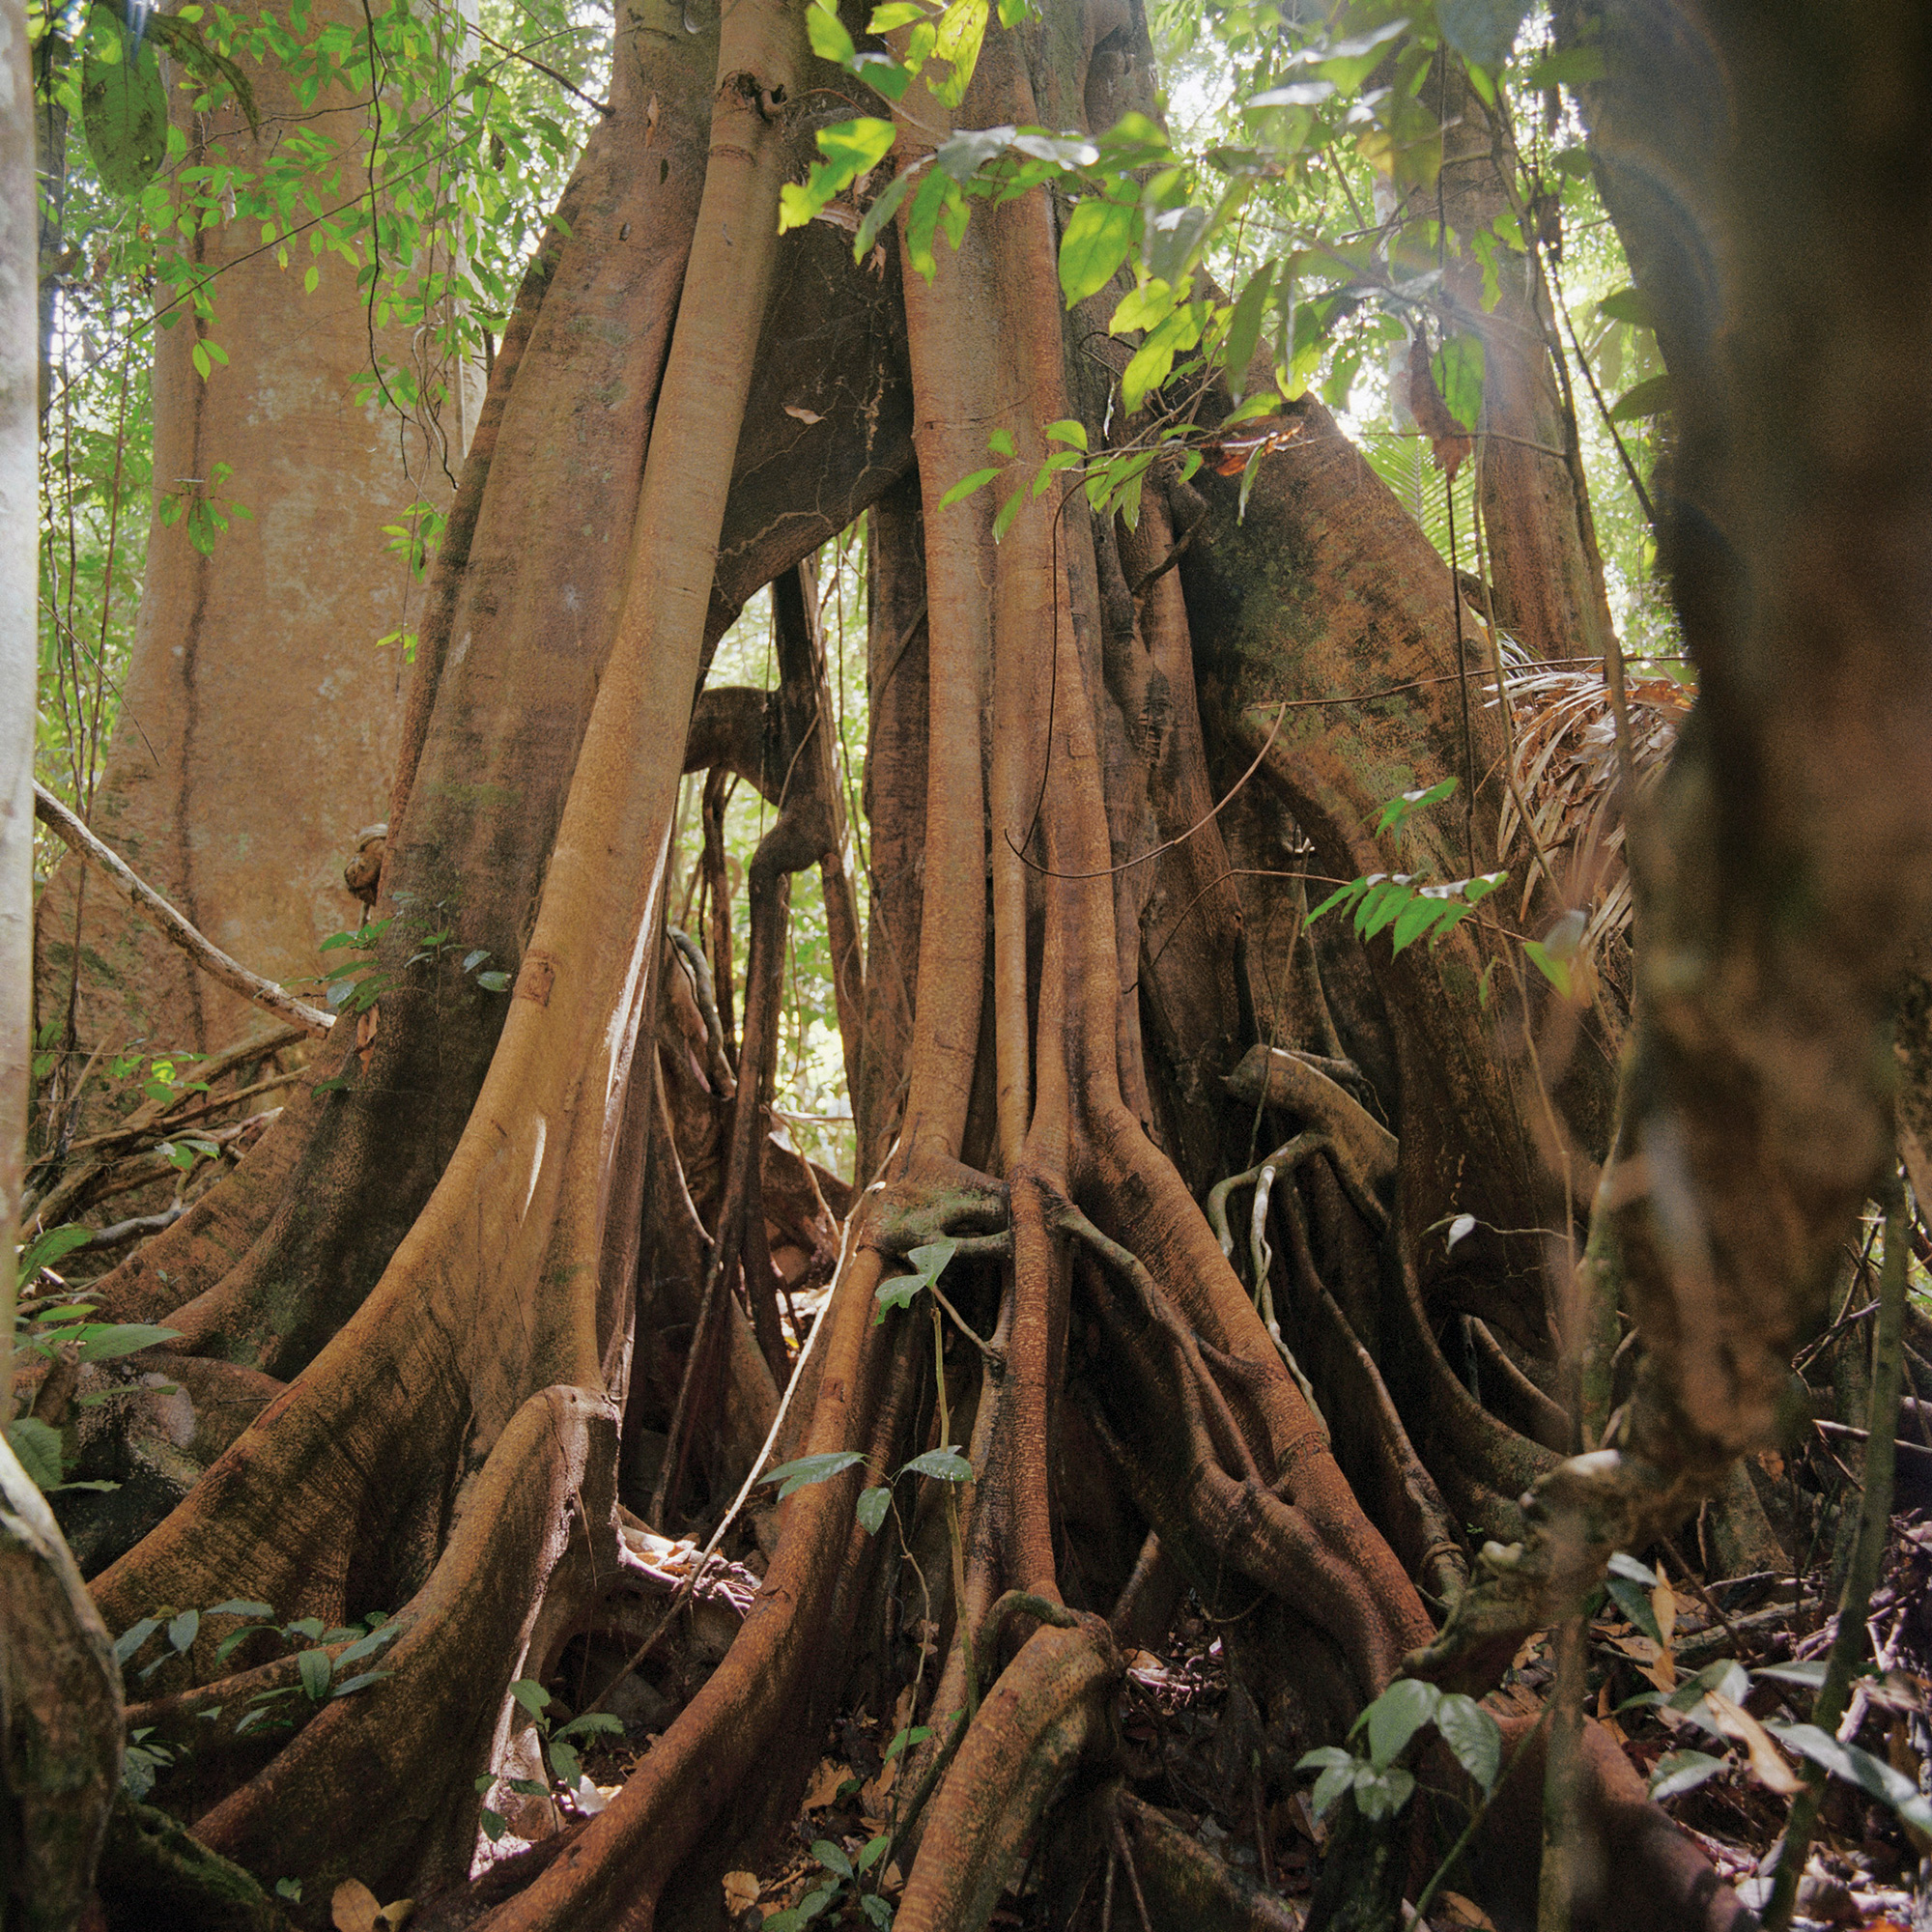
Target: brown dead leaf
{"points": [[1651, 1658], [803, 415], [741, 1891], [1767, 1764], [1772, 1464], [874, 1792], [1664, 1606], [366, 1023], [353, 1907], [1456, 1910], [1447, 437], [652, 114], [825, 1782]]}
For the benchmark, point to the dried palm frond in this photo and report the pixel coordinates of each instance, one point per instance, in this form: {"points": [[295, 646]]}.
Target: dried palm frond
{"points": [[1567, 777]]}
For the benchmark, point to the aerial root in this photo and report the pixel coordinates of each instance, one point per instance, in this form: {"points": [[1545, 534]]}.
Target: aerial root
{"points": [[1050, 1708]]}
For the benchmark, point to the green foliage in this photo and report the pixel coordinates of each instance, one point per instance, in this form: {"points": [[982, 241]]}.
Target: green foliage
{"points": [[318, 1676], [427, 185], [1380, 1785], [560, 1744], [46, 1327], [902, 1290], [124, 106], [1686, 1769]]}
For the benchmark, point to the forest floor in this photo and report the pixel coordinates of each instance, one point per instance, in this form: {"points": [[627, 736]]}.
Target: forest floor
{"points": [[1190, 1738]]}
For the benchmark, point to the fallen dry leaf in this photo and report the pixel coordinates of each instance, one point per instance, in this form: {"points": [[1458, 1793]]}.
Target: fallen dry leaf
{"points": [[741, 1889], [1767, 1764], [353, 1907], [803, 415], [1664, 1608], [825, 1783], [1456, 1910]]}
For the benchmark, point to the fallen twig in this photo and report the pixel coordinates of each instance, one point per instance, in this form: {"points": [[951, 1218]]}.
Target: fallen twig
{"points": [[160, 915]]}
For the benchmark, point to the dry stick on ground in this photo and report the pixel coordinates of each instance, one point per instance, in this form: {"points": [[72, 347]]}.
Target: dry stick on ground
{"points": [[166, 921]]}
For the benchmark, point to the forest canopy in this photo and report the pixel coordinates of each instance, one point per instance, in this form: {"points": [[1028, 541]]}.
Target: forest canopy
{"points": [[964, 964]]}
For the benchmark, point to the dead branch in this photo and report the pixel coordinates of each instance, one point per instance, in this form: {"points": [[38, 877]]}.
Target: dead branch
{"points": [[166, 921]]}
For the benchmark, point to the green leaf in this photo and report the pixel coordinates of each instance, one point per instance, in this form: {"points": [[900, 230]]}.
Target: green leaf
{"points": [[316, 1671], [50, 1247], [1473, 1735], [827, 34], [963, 28], [831, 1857], [493, 1823], [1418, 916], [1650, 398], [807, 1470], [1555, 971], [1244, 326], [1099, 236], [894, 13], [1341, 895], [122, 1338], [878, 1911], [930, 1259], [359, 1682], [1482, 31], [906, 1740], [369, 1645], [1001, 442], [874, 1505], [182, 1630], [1458, 368], [1396, 1715], [593, 1724], [1333, 1782], [885, 205], [1812, 1676], [1067, 430], [124, 106], [1871, 1775], [946, 1465], [1683, 1770], [1381, 1792], [938, 195], [872, 1851], [564, 1761], [1009, 510], [1633, 1601], [966, 486], [493, 983], [530, 1695], [1626, 305], [135, 1635], [1381, 907], [37, 1447]]}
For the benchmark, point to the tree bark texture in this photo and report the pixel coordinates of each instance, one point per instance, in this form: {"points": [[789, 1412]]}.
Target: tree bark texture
{"points": [[259, 723]]}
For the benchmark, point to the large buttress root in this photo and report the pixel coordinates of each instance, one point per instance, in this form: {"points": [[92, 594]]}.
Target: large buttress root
{"points": [[517, 1277]]}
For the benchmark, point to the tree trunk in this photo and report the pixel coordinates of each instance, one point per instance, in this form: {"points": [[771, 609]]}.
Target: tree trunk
{"points": [[259, 721]]}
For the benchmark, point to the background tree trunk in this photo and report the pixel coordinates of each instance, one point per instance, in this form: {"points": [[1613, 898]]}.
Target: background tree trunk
{"points": [[259, 724]]}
